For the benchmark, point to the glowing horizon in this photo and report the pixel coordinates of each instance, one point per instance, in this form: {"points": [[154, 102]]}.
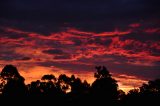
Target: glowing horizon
{"points": [[32, 75]]}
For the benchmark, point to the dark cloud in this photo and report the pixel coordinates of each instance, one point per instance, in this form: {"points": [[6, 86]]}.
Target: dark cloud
{"points": [[53, 51], [50, 43], [70, 66], [141, 37], [40, 27], [10, 56], [106, 41], [11, 34], [144, 72], [25, 58], [155, 52], [77, 42], [98, 15]]}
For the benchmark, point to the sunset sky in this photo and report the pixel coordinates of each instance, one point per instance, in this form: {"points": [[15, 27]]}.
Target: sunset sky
{"points": [[73, 36]]}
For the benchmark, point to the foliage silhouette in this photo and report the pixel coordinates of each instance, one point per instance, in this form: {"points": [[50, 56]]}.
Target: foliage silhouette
{"points": [[147, 94], [14, 82], [104, 88], [66, 90], [49, 77], [151, 92]]}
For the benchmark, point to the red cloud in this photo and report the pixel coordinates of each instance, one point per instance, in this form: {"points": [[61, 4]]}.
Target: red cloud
{"points": [[116, 32]]}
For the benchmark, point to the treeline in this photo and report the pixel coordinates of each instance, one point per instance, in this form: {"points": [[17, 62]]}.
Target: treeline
{"points": [[70, 90]]}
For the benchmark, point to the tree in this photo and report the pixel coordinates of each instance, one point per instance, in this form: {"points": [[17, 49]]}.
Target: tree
{"points": [[14, 82], [35, 88], [150, 92], [79, 90], [151, 87], [10, 72], [64, 83], [132, 97], [50, 86], [49, 78], [104, 88], [102, 72], [121, 94]]}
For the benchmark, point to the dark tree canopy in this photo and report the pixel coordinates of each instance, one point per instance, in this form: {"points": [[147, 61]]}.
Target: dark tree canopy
{"points": [[104, 88], [102, 72], [10, 72], [152, 86], [49, 77], [14, 82]]}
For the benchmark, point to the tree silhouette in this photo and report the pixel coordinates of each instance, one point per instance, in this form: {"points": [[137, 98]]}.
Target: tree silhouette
{"points": [[79, 90], [150, 92], [147, 94], [64, 83], [102, 72], [151, 87], [14, 82], [49, 77], [35, 88], [46, 91], [104, 88], [132, 97], [121, 95], [10, 72], [50, 87]]}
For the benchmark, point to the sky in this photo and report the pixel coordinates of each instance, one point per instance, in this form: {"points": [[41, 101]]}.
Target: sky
{"points": [[73, 36]]}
